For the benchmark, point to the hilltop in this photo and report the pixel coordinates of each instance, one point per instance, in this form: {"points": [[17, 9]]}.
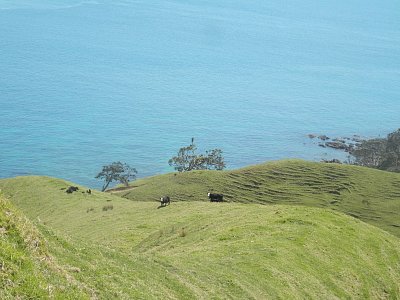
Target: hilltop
{"points": [[196, 249], [368, 194]]}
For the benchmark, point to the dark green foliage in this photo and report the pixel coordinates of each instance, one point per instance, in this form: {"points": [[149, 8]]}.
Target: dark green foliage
{"points": [[214, 160], [380, 153], [188, 159], [370, 153], [117, 171], [392, 154]]}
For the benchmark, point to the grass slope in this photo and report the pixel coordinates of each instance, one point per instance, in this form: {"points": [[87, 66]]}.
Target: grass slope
{"points": [[370, 195], [26, 269], [208, 250]]}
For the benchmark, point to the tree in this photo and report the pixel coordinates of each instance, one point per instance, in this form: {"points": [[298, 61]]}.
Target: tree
{"points": [[187, 159], [392, 153], [116, 171], [215, 160], [370, 153], [380, 153]]}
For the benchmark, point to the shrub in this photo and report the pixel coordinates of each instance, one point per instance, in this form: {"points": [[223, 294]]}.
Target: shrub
{"points": [[108, 207]]}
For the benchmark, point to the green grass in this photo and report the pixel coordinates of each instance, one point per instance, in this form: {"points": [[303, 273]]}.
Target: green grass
{"points": [[242, 251], [26, 268], [201, 250], [370, 195]]}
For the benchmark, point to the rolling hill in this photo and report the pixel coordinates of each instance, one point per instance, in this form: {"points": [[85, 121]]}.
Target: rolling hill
{"points": [[113, 247], [26, 268], [370, 195]]}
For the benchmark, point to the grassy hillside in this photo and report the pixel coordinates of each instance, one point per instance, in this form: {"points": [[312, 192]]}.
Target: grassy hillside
{"points": [[370, 195], [208, 250], [26, 269]]}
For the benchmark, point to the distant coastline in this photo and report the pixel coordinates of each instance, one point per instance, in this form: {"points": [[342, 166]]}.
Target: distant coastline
{"points": [[346, 144]]}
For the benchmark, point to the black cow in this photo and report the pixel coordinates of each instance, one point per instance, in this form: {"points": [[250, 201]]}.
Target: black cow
{"points": [[72, 189], [216, 197], [165, 200]]}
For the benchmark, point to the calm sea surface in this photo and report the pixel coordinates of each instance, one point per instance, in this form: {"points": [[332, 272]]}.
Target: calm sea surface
{"points": [[85, 83]]}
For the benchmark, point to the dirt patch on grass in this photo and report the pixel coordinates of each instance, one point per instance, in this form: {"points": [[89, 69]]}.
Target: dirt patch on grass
{"points": [[121, 189]]}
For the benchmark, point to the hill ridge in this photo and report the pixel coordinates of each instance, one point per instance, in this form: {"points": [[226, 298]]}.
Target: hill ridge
{"points": [[368, 194]]}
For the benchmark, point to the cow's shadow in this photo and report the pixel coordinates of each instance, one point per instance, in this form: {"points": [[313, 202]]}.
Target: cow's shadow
{"points": [[162, 206]]}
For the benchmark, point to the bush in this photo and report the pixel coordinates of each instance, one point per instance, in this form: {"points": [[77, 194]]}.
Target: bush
{"points": [[380, 153], [108, 207]]}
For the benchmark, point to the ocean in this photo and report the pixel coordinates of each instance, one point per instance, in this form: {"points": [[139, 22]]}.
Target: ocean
{"points": [[86, 83]]}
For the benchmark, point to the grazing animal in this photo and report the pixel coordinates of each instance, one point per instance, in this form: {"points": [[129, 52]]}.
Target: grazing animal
{"points": [[89, 191], [165, 200], [72, 189], [216, 197]]}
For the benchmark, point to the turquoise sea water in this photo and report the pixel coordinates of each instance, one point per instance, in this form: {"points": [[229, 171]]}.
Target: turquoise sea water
{"points": [[85, 83]]}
